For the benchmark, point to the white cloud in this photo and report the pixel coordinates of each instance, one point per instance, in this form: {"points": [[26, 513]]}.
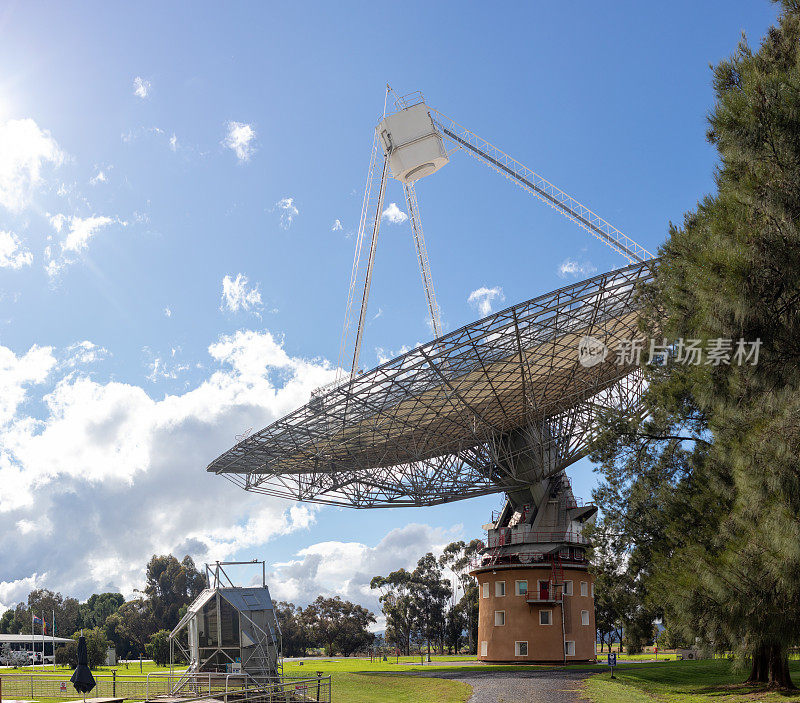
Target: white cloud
{"points": [[383, 355], [240, 138], [165, 368], [482, 298], [346, 568], [394, 214], [81, 230], [76, 234], [141, 87], [571, 267], [25, 150], [57, 221], [13, 592], [84, 352], [287, 210], [99, 177], [108, 457], [167, 312], [237, 296], [12, 255], [17, 373], [337, 226], [173, 142]]}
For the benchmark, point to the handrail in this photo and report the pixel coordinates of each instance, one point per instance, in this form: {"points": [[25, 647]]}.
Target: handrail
{"points": [[154, 685], [502, 537]]}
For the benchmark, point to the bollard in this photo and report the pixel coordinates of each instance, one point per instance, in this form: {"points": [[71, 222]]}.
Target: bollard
{"points": [[114, 684], [319, 676]]}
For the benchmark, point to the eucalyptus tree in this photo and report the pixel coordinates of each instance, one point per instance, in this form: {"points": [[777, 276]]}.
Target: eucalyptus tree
{"points": [[397, 604], [430, 592], [458, 557]]}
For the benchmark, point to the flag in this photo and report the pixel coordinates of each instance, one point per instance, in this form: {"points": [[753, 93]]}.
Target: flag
{"points": [[40, 621]]}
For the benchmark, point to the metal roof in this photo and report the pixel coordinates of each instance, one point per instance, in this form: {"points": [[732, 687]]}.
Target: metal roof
{"points": [[445, 421], [247, 599], [33, 638], [243, 599]]}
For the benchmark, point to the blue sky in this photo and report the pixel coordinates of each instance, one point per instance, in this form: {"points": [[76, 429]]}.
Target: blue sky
{"points": [[149, 151]]}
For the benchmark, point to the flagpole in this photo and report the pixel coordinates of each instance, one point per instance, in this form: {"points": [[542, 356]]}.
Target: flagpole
{"points": [[53, 637], [33, 640]]}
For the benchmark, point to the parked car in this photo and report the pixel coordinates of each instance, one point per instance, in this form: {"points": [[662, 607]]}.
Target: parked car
{"points": [[10, 657]]}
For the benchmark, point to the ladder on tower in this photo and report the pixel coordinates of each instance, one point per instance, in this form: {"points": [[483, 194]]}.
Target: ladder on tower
{"points": [[558, 573]]}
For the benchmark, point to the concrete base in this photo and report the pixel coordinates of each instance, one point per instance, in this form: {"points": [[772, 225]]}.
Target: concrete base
{"points": [[520, 619]]}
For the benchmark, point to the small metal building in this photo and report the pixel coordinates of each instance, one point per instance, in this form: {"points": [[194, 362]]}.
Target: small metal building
{"points": [[230, 629]]}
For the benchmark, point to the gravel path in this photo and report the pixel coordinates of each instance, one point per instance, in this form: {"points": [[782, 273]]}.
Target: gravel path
{"points": [[534, 686]]}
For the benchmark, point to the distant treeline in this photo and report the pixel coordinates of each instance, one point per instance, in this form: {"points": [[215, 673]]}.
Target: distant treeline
{"points": [[422, 610], [141, 626], [135, 627]]}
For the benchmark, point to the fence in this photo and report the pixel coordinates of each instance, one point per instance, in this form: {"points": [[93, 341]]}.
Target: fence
{"points": [[149, 687]]}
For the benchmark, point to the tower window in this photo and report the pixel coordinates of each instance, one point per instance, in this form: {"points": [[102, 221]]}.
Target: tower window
{"points": [[545, 617], [584, 617], [522, 588], [499, 618], [520, 649], [567, 588], [484, 649], [486, 590], [584, 588], [569, 648], [499, 588]]}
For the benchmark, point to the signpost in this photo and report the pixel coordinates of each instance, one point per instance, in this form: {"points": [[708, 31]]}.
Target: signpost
{"points": [[612, 662]]}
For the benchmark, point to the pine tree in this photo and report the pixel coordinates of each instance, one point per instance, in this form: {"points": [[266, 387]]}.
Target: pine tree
{"points": [[707, 486]]}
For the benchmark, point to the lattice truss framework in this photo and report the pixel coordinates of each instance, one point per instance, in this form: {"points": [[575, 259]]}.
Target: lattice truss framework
{"points": [[488, 408]]}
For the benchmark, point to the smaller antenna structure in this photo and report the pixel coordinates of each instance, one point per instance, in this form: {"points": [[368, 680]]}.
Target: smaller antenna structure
{"points": [[229, 629]]}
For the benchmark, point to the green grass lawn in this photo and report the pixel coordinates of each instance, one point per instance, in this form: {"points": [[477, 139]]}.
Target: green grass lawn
{"points": [[410, 666], [683, 682], [362, 681]]}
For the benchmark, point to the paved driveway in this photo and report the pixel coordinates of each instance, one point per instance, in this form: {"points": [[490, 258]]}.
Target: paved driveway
{"points": [[533, 686]]}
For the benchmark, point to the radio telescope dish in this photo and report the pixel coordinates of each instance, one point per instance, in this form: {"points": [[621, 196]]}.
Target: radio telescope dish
{"points": [[499, 405]]}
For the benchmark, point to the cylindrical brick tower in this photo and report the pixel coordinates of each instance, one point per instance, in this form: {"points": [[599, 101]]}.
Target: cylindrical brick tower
{"points": [[535, 592]]}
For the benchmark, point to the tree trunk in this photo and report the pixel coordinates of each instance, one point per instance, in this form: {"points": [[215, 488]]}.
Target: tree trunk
{"points": [[771, 666]]}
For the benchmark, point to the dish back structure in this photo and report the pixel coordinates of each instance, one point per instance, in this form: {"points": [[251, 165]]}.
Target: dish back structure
{"points": [[500, 405]]}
